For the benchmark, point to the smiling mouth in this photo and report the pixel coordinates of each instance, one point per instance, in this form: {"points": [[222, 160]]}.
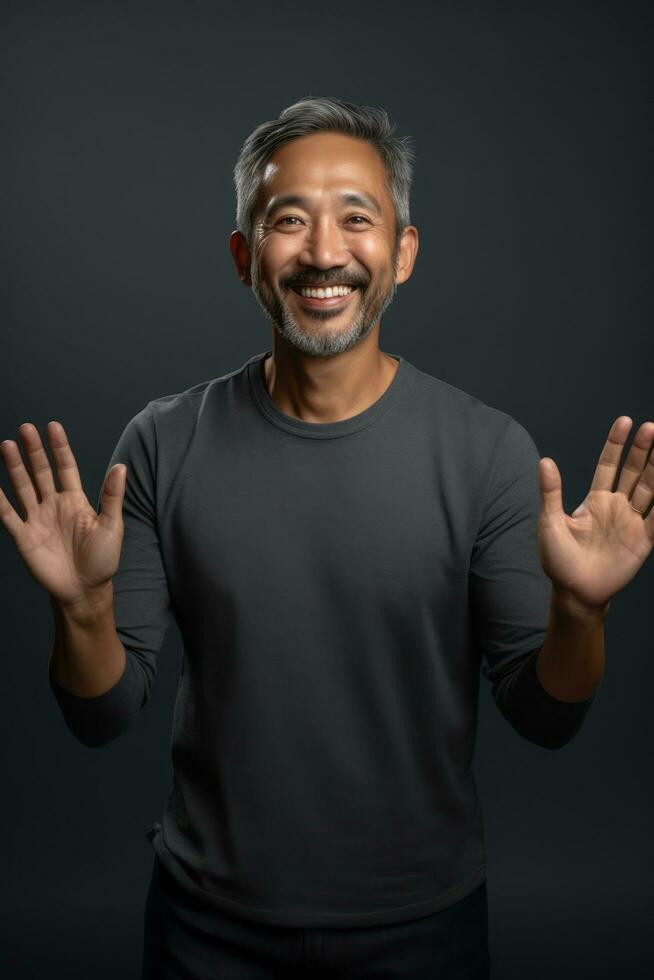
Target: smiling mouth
{"points": [[324, 302]]}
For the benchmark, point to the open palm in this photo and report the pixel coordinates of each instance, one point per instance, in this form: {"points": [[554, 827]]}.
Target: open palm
{"points": [[68, 548], [596, 551]]}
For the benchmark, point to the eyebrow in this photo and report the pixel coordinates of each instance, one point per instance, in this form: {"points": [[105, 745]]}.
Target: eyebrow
{"points": [[363, 200]]}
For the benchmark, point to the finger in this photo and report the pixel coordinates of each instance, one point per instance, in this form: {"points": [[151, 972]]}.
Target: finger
{"points": [[607, 465], [67, 471], [113, 491], [9, 518], [550, 486], [38, 461], [18, 476], [634, 470], [643, 493]]}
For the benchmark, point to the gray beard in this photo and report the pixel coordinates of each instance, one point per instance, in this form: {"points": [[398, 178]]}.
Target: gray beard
{"points": [[323, 342]]}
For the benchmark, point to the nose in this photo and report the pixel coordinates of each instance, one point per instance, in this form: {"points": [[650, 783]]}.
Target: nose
{"points": [[323, 246]]}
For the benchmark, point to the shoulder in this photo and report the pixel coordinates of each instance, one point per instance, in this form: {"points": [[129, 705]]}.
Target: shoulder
{"points": [[464, 424], [174, 412], [482, 444], [456, 406]]}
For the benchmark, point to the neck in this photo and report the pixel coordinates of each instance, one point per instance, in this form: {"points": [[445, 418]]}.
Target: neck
{"points": [[327, 389]]}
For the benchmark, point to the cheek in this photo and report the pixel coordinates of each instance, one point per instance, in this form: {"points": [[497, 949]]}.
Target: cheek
{"points": [[372, 254], [276, 258]]}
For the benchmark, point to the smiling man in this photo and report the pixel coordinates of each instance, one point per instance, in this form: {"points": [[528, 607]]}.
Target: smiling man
{"points": [[324, 253], [343, 540]]}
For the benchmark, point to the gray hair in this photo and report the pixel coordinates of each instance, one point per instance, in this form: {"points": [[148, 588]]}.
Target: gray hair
{"points": [[314, 114]]}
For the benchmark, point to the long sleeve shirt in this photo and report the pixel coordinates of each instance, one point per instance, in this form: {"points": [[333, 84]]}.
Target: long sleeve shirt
{"points": [[339, 589]]}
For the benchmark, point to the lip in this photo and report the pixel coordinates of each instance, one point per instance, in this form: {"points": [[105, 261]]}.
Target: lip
{"points": [[323, 304]]}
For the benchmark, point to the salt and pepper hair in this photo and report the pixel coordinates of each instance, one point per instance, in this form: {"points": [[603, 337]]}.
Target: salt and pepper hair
{"points": [[316, 114]]}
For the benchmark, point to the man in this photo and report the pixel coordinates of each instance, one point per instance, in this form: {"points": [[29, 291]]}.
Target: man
{"points": [[341, 538]]}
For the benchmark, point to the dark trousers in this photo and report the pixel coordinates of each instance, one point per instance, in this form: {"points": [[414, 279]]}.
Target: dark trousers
{"points": [[448, 945]]}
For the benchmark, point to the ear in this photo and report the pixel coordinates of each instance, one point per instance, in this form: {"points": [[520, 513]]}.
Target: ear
{"points": [[409, 244], [241, 255]]}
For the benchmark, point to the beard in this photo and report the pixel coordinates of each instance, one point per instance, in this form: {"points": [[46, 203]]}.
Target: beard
{"points": [[309, 333]]}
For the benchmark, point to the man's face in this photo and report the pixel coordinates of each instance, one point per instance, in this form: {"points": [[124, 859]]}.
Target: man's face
{"points": [[320, 238]]}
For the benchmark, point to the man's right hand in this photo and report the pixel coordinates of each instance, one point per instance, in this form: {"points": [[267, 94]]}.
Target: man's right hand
{"points": [[69, 549]]}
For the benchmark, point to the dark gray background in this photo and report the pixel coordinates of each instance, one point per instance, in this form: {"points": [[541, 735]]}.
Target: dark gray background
{"points": [[121, 124]]}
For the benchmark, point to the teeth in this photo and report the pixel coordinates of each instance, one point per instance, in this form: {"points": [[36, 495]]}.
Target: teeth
{"points": [[326, 293]]}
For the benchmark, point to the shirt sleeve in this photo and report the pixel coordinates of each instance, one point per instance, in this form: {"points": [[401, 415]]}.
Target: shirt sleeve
{"points": [[510, 595], [142, 604]]}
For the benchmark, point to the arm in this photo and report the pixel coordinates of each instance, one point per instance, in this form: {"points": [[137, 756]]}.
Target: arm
{"points": [[592, 554], [512, 605], [104, 657], [570, 664], [588, 557], [87, 657], [545, 696], [91, 674], [93, 678]]}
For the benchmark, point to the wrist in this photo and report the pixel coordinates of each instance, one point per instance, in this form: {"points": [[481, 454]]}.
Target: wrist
{"points": [[88, 606], [568, 606]]}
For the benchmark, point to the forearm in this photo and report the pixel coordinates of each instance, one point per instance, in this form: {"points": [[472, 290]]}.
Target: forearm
{"points": [[570, 663], [87, 657]]}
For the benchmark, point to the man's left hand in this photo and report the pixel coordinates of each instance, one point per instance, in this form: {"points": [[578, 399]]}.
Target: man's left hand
{"points": [[592, 554]]}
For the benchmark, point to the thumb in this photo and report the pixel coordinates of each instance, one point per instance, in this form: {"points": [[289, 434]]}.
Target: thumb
{"points": [[550, 486], [113, 492]]}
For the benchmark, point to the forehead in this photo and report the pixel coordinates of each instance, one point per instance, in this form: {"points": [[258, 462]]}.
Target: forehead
{"points": [[324, 163]]}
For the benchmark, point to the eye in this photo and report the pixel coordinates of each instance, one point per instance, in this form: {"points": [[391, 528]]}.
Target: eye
{"points": [[354, 217]]}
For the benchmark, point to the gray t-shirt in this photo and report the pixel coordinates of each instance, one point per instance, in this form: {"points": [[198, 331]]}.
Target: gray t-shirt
{"points": [[336, 587]]}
